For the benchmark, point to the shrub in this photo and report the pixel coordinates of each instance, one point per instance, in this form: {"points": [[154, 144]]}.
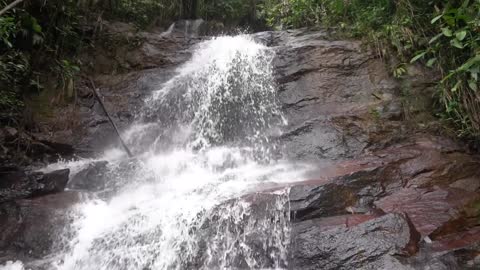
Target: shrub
{"points": [[33, 35]]}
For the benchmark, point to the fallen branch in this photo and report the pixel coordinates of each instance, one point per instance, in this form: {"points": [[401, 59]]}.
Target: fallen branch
{"points": [[376, 96], [95, 92], [8, 7]]}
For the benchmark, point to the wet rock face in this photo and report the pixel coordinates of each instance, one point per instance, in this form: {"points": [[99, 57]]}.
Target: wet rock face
{"points": [[125, 74], [90, 178], [22, 148], [388, 198], [30, 228], [422, 181], [18, 184], [32, 212], [243, 233], [333, 92], [366, 246]]}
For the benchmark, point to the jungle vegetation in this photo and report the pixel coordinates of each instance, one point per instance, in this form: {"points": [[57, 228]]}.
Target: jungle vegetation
{"points": [[39, 37]]}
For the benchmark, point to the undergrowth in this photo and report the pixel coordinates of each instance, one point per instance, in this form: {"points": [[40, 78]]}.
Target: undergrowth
{"points": [[441, 34], [36, 38]]}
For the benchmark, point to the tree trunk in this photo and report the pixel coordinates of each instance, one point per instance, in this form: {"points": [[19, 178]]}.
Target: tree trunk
{"points": [[253, 11]]}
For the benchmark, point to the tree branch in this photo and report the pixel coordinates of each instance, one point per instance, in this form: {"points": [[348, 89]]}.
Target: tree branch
{"points": [[94, 89], [8, 7]]}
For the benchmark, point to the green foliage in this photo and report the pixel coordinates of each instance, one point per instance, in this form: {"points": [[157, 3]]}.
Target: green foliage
{"points": [[375, 114], [227, 11], [456, 50], [66, 70], [32, 36], [441, 34], [8, 30], [143, 12], [358, 14], [399, 70], [13, 67]]}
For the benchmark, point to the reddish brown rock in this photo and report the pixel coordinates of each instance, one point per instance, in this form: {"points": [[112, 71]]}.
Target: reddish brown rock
{"points": [[458, 240], [344, 221], [428, 209]]}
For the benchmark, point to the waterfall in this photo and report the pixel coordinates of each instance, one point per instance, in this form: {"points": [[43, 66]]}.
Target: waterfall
{"points": [[204, 145]]}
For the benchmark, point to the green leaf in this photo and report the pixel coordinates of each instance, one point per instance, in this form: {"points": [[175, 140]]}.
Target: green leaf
{"points": [[473, 85], [474, 75], [431, 62], [456, 43], [447, 32], [417, 57], [435, 38], [467, 65], [35, 26], [434, 20], [461, 35]]}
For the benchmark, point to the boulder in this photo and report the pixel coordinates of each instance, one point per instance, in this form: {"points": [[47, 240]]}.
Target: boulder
{"points": [[105, 179], [53, 182], [32, 228], [17, 184], [22, 147], [90, 178]]}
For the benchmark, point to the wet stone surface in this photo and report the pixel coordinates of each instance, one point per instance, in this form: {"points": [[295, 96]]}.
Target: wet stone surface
{"points": [[30, 228], [342, 105], [364, 246], [19, 184]]}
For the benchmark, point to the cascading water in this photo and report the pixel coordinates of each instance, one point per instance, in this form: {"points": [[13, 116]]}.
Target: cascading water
{"points": [[188, 201]]}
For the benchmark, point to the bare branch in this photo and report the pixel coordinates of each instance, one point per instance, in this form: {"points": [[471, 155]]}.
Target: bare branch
{"points": [[10, 6], [94, 89]]}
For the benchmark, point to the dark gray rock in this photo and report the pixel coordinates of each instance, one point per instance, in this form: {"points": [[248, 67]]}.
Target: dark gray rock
{"points": [[17, 184], [308, 202], [32, 228], [90, 178], [366, 246], [248, 230], [333, 94], [53, 182]]}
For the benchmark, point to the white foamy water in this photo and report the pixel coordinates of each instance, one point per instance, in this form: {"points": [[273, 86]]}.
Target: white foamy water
{"points": [[204, 148], [12, 266]]}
